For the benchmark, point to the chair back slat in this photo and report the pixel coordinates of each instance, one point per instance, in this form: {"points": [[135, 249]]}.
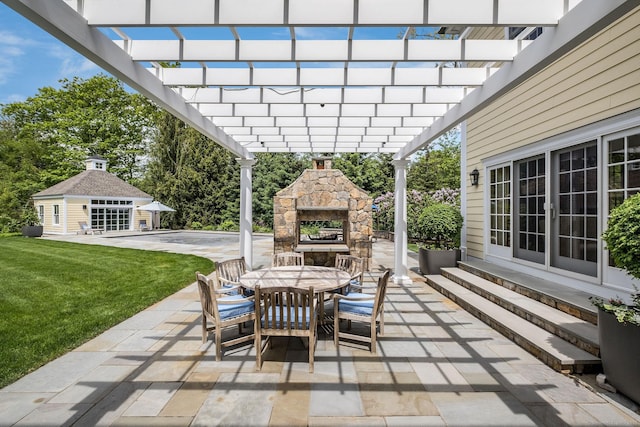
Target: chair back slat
{"points": [[351, 264], [228, 272], [285, 259], [381, 292], [286, 310], [207, 297]]}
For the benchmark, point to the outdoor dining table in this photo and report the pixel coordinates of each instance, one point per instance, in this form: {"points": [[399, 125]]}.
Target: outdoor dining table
{"points": [[323, 279]]}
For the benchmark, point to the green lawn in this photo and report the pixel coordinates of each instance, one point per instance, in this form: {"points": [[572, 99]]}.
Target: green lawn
{"points": [[55, 296]]}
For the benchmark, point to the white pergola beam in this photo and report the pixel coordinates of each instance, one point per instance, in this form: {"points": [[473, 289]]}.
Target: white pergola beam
{"points": [[321, 50], [55, 17], [323, 12], [323, 77], [583, 21], [325, 96]]}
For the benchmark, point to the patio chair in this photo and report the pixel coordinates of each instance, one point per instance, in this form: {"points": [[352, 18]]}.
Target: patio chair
{"points": [[228, 274], [142, 225], [355, 267], [288, 258], [86, 229], [361, 307], [223, 310], [285, 311]]}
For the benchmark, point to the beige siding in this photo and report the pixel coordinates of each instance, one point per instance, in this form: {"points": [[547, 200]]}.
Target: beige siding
{"points": [[49, 227], [75, 214], [598, 80]]}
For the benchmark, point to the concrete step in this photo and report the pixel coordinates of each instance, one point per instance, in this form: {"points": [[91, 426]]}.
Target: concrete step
{"points": [[551, 349], [578, 332], [565, 299]]}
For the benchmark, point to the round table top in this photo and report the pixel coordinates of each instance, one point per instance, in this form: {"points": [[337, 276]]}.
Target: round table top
{"points": [[322, 279]]}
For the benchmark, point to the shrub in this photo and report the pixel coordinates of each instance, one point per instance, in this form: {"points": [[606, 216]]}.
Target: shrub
{"points": [[623, 235], [195, 225], [228, 225], [439, 226]]}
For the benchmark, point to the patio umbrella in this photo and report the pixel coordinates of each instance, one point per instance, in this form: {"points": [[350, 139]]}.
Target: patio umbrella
{"points": [[154, 207]]}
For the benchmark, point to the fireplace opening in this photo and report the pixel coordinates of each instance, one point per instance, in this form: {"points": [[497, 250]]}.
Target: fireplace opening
{"points": [[321, 232]]}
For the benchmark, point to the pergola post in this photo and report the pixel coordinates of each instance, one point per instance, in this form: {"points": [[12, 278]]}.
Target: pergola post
{"points": [[246, 211], [400, 223]]}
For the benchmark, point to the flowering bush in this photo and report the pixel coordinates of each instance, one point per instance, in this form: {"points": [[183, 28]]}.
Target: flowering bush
{"points": [[417, 201]]}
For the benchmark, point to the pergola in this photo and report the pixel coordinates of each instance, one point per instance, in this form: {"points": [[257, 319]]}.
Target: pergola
{"points": [[322, 76]]}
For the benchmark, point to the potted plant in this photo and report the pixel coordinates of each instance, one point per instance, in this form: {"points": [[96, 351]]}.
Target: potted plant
{"points": [[31, 222], [439, 226], [618, 320]]}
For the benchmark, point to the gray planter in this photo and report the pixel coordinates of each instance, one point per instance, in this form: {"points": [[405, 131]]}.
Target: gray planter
{"points": [[32, 230], [432, 260], [620, 354]]}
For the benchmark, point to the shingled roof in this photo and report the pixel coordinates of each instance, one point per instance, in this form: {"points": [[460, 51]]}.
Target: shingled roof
{"points": [[93, 183]]}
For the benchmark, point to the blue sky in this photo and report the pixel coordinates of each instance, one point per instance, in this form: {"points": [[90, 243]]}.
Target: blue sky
{"points": [[30, 58]]}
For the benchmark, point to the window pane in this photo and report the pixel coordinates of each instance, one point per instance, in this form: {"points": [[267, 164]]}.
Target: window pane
{"points": [[565, 162], [616, 151], [592, 156], [565, 183], [616, 177], [633, 175], [633, 147], [577, 226], [577, 159]]}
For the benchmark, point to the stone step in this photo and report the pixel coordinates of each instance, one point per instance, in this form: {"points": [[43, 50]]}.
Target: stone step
{"points": [[578, 332], [570, 301], [551, 349]]}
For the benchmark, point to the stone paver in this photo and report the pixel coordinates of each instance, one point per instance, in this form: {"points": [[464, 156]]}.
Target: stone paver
{"points": [[436, 366]]}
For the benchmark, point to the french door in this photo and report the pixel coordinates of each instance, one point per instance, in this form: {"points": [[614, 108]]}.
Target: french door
{"points": [[574, 209]]}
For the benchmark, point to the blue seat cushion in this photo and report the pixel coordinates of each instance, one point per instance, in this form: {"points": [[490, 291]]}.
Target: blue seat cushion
{"points": [[362, 307], [288, 313], [229, 311]]}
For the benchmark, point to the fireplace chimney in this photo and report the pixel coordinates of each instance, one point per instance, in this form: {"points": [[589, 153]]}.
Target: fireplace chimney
{"points": [[321, 163]]}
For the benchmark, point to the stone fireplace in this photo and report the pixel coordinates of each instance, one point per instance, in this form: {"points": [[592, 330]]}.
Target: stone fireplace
{"points": [[325, 196]]}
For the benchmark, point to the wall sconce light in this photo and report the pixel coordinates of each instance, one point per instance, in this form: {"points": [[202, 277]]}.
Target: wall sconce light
{"points": [[475, 175], [84, 207]]}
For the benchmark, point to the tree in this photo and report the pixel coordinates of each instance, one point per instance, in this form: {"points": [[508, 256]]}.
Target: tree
{"points": [[372, 172], [192, 174], [271, 173], [437, 166], [94, 116]]}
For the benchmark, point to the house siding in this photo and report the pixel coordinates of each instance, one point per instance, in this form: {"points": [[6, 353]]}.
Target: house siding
{"points": [[76, 214], [598, 80]]}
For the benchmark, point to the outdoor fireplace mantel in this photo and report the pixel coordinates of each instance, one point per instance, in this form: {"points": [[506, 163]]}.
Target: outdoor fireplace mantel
{"points": [[322, 208], [322, 247]]}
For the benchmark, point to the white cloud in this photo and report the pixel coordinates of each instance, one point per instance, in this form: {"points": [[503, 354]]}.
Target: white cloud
{"points": [[71, 63], [10, 49]]}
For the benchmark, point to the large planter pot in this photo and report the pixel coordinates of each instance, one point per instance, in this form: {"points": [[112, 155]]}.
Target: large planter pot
{"points": [[432, 260], [32, 230], [620, 354]]}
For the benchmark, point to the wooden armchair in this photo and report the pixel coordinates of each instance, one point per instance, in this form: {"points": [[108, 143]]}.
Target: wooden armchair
{"points": [[361, 307], [285, 311], [288, 258], [228, 274], [355, 267], [223, 310]]}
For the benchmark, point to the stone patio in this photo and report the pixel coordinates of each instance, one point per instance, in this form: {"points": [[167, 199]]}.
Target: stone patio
{"points": [[436, 366]]}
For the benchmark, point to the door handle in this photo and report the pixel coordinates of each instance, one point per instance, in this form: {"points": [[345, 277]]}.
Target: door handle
{"points": [[552, 210]]}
